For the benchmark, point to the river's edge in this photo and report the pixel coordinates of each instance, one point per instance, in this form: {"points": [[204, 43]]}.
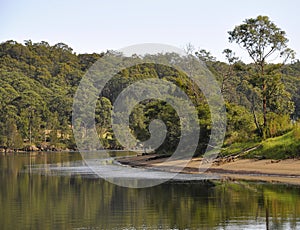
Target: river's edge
{"points": [[281, 171]]}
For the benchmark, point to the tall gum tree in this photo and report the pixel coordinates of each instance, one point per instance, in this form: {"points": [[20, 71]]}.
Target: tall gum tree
{"points": [[262, 39]]}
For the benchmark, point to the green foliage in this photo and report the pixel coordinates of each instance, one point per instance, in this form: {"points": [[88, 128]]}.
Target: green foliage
{"points": [[10, 138], [38, 82], [292, 83], [240, 125], [262, 38], [151, 109], [282, 147], [278, 124], [238, 147], [296, 131]]}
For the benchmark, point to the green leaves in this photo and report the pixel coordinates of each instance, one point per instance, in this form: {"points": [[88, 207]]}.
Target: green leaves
{"points": [[38, 82], [260, 37], [10, 136], [33, 88]]}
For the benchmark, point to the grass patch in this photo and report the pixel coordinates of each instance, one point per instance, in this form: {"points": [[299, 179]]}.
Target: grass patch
{"points": [[296, 132], [282, 147], [237, 148]]}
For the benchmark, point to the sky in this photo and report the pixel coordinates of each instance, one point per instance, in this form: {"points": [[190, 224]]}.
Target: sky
{"points": [[99, 25]]}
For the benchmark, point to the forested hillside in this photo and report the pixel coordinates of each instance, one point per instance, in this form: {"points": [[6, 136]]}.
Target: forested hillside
{"points": [[38, 82]]}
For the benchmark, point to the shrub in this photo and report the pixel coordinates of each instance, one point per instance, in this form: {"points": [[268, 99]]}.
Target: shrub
{"points": [[296, 131], [278, 125], [240, 125]]}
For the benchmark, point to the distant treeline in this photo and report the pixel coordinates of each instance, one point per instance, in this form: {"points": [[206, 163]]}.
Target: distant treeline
{"points": [[38, 82]]}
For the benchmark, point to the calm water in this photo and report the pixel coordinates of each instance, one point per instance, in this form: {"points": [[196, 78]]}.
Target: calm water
{"points": [[55, 191]]}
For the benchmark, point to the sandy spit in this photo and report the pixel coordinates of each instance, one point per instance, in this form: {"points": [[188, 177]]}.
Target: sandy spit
{"points": [[283, 171]]}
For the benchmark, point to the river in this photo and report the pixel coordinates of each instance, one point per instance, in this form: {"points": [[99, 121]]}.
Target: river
{"points": [[58, 191]]}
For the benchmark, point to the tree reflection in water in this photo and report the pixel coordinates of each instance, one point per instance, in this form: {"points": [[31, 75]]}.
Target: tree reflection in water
{"points": [[45, 201]]}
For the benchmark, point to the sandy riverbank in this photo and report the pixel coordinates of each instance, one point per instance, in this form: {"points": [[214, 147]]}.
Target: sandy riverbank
{"points": [[284, 171]]}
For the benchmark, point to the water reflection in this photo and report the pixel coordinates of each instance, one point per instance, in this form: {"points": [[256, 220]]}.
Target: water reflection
{"points": [[41, 200], [104, 165]]}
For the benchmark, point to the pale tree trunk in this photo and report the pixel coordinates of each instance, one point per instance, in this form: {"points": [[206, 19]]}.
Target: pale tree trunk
{"points": [[264, 101], [255, 118]]}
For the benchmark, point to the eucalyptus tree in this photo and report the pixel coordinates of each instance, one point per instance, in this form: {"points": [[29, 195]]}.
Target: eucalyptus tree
{"points": [[263, 40]]}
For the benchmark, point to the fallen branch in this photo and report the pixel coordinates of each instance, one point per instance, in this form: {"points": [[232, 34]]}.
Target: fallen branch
{"points": [[232, 157]]}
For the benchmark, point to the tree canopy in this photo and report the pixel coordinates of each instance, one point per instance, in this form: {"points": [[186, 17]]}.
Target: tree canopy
{"points": [[38, 82], [262, 38]]}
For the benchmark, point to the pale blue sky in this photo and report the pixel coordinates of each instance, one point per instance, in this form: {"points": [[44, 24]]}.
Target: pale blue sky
{"points": [[95, 26]]}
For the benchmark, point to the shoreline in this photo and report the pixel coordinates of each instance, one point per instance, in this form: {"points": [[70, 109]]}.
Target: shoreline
{"points": [[274, 171]]}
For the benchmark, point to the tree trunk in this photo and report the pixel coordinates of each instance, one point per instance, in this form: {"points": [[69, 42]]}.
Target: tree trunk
{"points": [[255, 118], [256, 123], [264, 89], [265, 114]]}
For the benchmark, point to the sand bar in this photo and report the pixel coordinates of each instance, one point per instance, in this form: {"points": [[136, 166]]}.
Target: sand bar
{"points": [[283, 171]]}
